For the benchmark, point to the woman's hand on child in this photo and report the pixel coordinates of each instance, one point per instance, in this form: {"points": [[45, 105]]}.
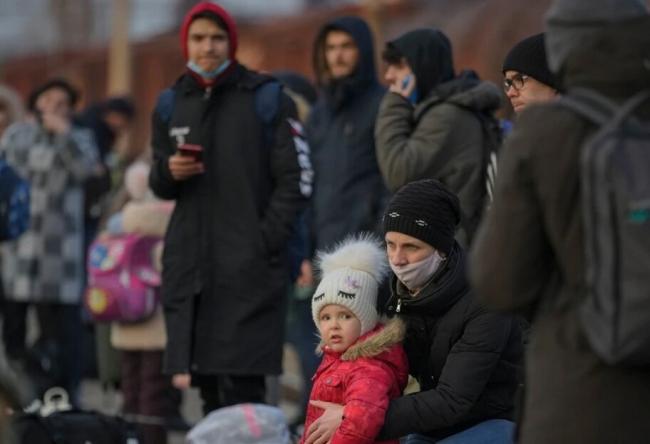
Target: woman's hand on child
{"points": [[181, 381], [322, 430]]}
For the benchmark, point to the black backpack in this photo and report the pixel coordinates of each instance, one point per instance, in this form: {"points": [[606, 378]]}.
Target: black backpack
{"points": [[615, 190]]}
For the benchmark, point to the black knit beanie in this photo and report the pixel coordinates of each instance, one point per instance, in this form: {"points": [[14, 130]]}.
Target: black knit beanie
{"points": [[529, 57], [425, 210]]}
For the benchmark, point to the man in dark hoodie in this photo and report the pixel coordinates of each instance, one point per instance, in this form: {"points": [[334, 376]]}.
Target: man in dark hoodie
{"points": [[431, 122], [238, 186], [349, 194]]}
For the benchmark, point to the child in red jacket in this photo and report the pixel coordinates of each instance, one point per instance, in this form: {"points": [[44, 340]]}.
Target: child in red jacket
{"points": [[364, 365]]}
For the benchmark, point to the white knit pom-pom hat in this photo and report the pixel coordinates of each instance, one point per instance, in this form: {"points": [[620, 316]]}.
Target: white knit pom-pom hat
{"points": [[351, 275]]}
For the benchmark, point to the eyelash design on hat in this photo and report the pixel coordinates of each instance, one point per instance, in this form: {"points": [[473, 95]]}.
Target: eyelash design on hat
{"points": [[347, 295], [319, 297], [421, 223]]}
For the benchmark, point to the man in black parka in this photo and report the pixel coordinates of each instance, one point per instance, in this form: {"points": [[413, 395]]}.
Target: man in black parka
{"points": [[239, 182]]}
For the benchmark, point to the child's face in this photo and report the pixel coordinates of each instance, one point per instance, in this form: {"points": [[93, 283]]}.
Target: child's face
{"points": [[338, 327]]}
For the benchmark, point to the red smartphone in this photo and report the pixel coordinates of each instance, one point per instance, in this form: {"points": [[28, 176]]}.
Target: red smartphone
{"points": [[195, 151]]}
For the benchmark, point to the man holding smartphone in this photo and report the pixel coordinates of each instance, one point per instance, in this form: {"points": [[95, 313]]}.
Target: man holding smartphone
{"points": [[239, 176], [434, 124]]}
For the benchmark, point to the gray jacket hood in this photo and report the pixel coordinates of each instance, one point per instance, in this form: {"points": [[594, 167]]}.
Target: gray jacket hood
{"points": [[612, 58], [569, 22], [466, 91]]}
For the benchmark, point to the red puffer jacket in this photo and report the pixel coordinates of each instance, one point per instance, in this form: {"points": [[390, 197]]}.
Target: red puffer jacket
{"points": [[364, 378]]}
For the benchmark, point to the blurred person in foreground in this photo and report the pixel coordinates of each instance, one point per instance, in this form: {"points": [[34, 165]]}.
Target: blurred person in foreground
{"points": [[529, 256], [45, 265], [239, 188]]}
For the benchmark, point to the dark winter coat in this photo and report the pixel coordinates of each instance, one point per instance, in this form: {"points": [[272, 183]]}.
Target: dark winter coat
{"points": [[535, 229], [224, 266], [442, 136], [363, 378], [349, 193], [466, 359]]}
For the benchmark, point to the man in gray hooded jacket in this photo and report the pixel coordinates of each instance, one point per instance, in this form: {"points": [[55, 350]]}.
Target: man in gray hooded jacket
{"points": [[434, 124]]}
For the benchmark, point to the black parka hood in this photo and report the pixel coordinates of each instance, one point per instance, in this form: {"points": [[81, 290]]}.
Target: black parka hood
{"points": [[428, 53], [365, 74]]}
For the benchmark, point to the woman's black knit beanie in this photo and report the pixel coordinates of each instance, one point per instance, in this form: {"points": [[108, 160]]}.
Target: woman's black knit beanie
{"points": [[425, 210]]}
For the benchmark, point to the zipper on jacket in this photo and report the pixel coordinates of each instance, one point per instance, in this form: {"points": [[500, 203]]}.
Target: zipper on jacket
{"points": [[399, 305], [206, 94]]}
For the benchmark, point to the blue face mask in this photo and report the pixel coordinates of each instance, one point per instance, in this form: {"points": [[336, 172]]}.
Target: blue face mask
{"points": [[211, 75]]}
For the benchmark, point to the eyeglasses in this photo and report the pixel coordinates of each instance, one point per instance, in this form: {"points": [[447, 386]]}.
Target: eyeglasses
{"points": [[517, 82]]}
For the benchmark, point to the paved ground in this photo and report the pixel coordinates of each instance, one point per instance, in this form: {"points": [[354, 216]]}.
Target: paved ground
{"points": [[94, 397]]}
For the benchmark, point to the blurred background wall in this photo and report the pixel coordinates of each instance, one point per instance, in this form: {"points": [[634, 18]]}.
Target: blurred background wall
{"points": [[131, 46]]}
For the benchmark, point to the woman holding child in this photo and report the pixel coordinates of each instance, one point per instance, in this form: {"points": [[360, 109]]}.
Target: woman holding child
{"points": [[466, 360]]}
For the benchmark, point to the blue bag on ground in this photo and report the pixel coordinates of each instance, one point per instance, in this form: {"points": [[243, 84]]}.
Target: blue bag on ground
{"points": [[241, 424]]}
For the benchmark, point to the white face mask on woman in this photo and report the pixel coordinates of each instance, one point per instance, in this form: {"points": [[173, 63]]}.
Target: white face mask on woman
{"points": [[415, 275]]}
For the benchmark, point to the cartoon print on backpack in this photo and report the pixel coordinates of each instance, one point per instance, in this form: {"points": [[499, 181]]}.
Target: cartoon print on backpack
{"points": [[123, 282]]}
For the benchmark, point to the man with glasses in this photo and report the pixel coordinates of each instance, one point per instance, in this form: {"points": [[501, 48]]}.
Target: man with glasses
{"points": [[527, 78]]}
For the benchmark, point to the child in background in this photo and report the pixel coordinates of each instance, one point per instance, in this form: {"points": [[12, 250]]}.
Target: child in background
{"points": [[364, 365], [148, 394]]}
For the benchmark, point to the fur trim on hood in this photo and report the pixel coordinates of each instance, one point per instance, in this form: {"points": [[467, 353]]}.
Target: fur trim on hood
{"points": [[375, 342]]}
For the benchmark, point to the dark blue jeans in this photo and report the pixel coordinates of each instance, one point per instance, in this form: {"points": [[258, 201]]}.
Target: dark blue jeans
{"points": [[493, 431]]}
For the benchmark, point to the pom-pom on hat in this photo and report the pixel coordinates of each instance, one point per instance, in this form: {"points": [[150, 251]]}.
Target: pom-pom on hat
{"points": [[350, 276]]}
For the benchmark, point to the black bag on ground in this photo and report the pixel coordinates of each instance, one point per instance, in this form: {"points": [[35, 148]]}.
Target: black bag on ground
{"points": [[73, 427], [57, 423]]}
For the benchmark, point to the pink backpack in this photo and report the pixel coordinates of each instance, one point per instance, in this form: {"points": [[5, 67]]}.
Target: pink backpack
{"points": [[123, 284]]}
